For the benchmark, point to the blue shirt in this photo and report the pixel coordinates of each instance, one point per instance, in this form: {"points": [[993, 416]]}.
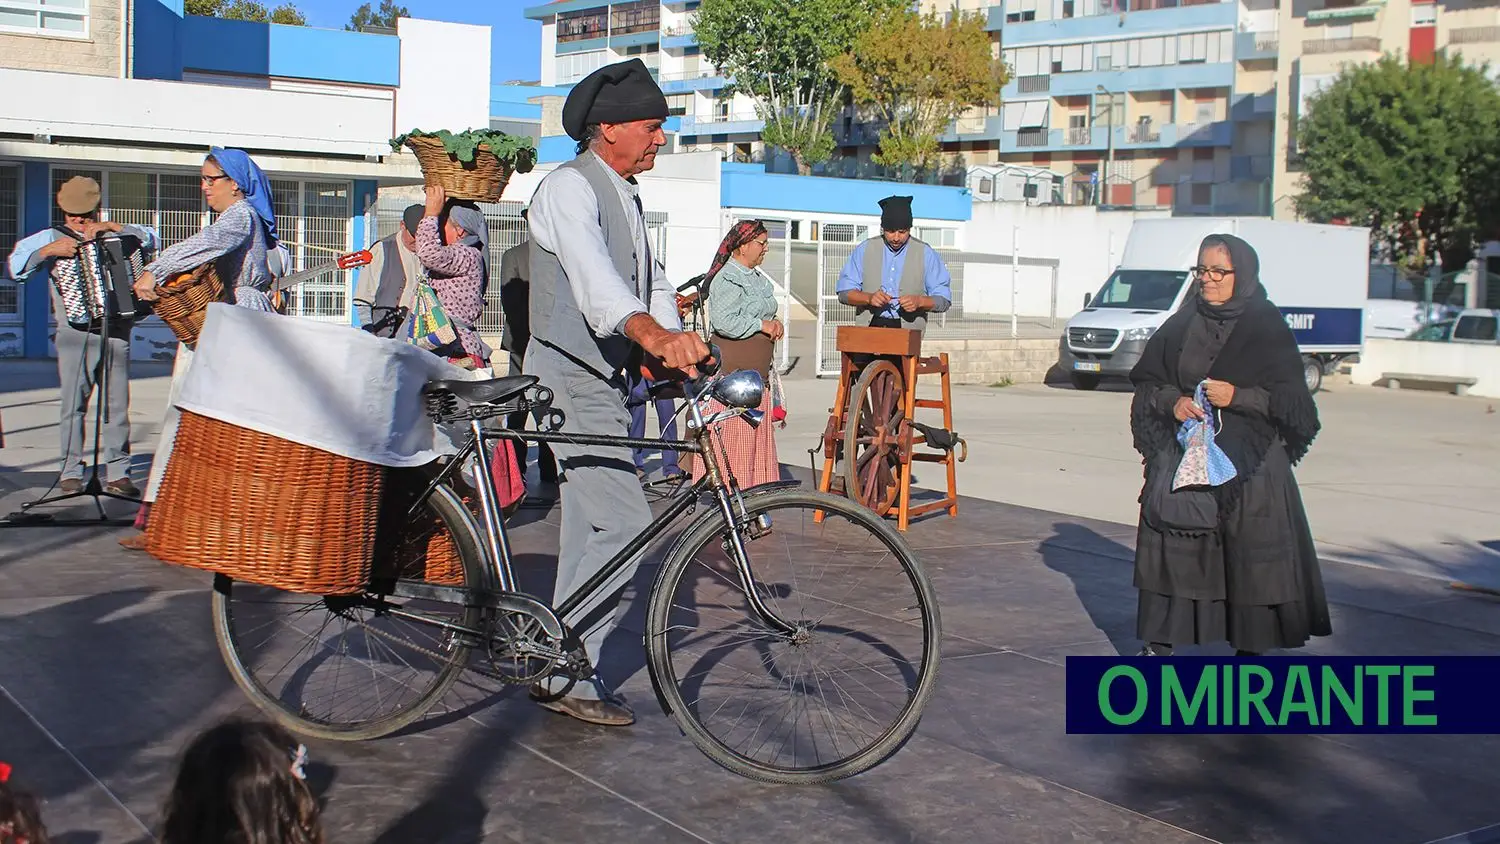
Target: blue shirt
{"points": [[934, 271], [24, 259]]}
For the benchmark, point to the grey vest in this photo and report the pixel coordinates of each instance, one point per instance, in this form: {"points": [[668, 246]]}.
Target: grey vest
{"points": [[556, 319], [913, 276]]}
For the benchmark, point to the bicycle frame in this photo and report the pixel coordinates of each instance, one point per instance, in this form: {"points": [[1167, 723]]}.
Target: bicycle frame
{"points": [[726, 493]]}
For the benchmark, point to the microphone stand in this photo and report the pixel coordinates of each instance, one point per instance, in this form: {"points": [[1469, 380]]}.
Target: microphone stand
{"points": [[94, 487]]}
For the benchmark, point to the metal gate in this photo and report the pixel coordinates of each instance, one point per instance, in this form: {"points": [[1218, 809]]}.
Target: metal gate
{"points": [[836, 243]]}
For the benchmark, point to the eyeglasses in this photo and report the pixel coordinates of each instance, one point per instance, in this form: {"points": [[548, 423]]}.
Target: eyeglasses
{"points": [[208, 180], [1211, 273]]}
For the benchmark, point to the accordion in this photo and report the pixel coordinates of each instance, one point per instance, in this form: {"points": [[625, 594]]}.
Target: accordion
{"points": [[98, 284]]}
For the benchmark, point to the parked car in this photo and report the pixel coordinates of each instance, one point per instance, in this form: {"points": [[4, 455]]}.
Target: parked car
{"points": [[1479, 325]]}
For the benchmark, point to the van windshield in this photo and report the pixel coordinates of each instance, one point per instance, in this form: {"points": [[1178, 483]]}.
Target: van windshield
{"points": [[1145, 290]]}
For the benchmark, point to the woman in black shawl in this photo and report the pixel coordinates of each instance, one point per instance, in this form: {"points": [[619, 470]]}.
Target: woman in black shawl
{"points": [[1235, 562]]}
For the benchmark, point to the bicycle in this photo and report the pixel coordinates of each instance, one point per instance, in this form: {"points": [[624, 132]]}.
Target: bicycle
{"points": [[523, 640]]}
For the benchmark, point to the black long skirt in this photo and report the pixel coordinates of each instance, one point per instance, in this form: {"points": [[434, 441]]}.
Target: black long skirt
{"points": [[1254, 583]]}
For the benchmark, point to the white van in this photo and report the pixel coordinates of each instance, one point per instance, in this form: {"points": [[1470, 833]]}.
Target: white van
{"points": [[1317, 274]]}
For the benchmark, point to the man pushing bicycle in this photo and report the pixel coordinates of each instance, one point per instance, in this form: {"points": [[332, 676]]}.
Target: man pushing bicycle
{"points": [[597, 298]]}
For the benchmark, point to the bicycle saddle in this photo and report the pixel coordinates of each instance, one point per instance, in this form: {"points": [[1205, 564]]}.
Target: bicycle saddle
{"points": [[491, 391]]}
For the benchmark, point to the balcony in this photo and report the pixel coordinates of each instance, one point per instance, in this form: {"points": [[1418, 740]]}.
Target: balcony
{"points": [[1362, 44], [1158, 78], [1474, 35], [686, 81], [1346, 11], [1135, 136], [1165, 16], [678, 37], [1253, 107], [1039, 84], [737, 123], [1256, 45], [1250, 168]]}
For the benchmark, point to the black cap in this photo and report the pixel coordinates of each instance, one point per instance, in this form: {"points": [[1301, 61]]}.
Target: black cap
{"points": [[412, 216], [895, 213], [616, 93]]}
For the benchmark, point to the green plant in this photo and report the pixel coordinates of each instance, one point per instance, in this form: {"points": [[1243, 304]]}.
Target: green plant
{"points": [[516, 150]]}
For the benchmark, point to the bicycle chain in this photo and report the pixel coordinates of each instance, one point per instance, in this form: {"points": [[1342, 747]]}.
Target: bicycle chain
{"points": [[444, 658]]}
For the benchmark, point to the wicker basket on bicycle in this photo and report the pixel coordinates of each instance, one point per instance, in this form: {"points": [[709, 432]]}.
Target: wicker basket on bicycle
{"points": [[184, 301], [266, 510]]}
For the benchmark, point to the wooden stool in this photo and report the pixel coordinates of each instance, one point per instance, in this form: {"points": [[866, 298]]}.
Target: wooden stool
{"points": [[870, 431]]}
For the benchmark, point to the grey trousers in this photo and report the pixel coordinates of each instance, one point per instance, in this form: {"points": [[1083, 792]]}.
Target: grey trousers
{"points": [[79, 370], [603, 505]]}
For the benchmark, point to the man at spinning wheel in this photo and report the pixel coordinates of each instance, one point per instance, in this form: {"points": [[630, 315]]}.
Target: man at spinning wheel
{"points": [[78, 365], [895, 279], [596, 299]]}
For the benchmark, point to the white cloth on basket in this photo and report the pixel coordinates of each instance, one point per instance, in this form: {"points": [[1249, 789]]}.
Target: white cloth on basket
{"points": [[321, 384]]}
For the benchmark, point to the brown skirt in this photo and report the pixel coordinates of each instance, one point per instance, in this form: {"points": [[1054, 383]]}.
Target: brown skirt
{"points": [[753, 352]]}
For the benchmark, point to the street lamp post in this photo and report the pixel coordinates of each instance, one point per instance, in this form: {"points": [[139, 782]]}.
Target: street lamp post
{"points": [[1109, 155]]}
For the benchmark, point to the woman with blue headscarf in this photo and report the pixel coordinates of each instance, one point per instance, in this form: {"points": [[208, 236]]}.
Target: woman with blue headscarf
{"points": [[453, 244], [238, 243]]}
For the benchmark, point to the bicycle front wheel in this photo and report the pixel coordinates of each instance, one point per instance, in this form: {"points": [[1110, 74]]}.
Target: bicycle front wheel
{"points": [[833, 697]]}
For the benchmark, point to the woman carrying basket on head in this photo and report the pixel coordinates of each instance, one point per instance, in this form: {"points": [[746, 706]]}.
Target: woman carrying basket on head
{"points": [[742, 309], [238, 243], [453, 244]]}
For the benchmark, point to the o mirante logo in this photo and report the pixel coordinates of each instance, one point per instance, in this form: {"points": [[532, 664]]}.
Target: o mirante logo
{"points": [[1282, 694]]}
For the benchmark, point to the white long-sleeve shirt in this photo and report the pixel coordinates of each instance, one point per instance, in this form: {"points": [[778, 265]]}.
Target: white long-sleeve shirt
{"points": [[564, 220]]}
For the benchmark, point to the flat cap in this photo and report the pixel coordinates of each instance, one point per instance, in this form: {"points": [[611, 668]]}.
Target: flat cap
{"points": [[616, 93]]}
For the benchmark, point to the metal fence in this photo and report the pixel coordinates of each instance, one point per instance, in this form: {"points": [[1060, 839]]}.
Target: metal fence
{"points": [[994, 296], [507, 229]]}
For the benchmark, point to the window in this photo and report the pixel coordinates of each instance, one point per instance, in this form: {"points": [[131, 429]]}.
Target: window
{"points": [[10, 232], [1424, 14], [1475, 327], [575, 26], [66, 18], [640, 16], [572, 67]]}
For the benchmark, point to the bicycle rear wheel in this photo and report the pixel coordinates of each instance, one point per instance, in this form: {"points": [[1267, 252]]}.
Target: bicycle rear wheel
{"points": [[340, 667], [748, 695]]}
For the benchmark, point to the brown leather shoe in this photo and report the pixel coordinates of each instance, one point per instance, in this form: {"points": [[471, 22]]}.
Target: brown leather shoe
{"points": [[135, 542], [605, 713], [123, 486], [70, 486]]}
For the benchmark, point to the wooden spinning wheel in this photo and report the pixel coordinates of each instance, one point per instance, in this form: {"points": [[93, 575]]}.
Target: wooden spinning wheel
{"points": [[870, 442], [872, 436]]}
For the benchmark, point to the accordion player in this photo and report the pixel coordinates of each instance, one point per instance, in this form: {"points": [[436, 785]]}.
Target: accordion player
{"points": [[96, 285]]}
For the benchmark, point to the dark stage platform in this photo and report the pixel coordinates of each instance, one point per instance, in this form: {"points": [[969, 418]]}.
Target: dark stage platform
{"points": [[108, 665]]}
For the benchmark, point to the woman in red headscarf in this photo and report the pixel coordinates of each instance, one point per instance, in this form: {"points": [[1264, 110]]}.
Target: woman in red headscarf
{"points": [[742, 309]]}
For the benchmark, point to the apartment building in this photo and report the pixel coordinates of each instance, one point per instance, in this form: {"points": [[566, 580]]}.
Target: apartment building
{"points": [[1144, 103], [581, 36], [1321, 37], [135, 100]]}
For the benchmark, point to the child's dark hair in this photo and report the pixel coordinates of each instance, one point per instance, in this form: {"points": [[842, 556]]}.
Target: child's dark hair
{"points": [[20, 817], [236, 785]]}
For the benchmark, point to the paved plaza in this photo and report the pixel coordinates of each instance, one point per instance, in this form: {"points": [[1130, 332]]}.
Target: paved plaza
{"points": [[108, 663]]}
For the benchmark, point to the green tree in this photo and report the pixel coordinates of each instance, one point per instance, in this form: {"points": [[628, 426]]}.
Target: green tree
{"points": [[1409, 150], [920, 74], [245, 10], [777, 52], [386, 17]]}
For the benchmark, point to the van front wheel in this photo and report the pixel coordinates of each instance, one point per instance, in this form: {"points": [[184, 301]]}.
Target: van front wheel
{"points": [[1084, 381], [1312, 372]]}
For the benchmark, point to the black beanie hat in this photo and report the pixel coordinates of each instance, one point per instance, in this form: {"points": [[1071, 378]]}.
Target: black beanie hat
{"points": [[895, 213], [616, 93]]}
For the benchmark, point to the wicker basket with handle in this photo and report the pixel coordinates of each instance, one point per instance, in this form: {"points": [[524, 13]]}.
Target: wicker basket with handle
{"points": [[184, 301], [481, 180], [265, 510]]}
